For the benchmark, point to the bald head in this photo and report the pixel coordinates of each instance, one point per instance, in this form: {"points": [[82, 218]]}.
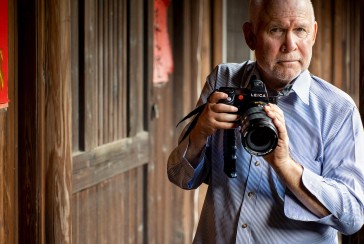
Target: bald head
{"points": [[282, 34], [259, 7]]}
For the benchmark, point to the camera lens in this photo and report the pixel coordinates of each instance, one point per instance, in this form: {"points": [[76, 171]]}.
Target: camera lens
{"points": [[259, 135], [260, 140]]}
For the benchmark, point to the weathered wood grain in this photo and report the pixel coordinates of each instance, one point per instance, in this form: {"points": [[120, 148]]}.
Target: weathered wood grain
{"points": [[106, 161], [55, 147]]}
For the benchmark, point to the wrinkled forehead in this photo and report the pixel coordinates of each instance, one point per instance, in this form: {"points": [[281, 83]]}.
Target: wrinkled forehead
{"points": [[275, 9]]}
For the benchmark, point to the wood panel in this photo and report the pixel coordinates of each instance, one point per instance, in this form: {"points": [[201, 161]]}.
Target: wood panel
{"points": [[75, 75], [100, 94], [335, 56], [136, 68], [112, 87], [111, 212], [109, 160], [28, 166], [44, 122], [54, 71], [217, 29], [8, 143], [109, 166], [175, 214], [236, 14]]}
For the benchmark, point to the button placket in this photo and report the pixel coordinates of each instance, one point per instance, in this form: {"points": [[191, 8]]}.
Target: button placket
{"points": [[251, 194], [248, 204]]}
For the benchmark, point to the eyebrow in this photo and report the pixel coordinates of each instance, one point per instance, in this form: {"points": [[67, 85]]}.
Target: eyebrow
{"points": [[282, 24]]}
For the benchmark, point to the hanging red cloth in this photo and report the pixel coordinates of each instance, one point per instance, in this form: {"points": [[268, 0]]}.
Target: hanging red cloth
{"points": [[162, 61], [4, 53]]}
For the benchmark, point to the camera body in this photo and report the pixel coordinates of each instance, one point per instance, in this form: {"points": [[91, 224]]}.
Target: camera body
{"points": [[258, 133]]}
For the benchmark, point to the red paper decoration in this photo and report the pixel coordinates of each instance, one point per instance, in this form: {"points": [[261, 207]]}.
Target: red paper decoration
{"points": [[4, 53], [163, 61]]}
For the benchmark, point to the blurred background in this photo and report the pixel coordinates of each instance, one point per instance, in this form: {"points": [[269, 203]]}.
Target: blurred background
{"points": [[96, 88]]}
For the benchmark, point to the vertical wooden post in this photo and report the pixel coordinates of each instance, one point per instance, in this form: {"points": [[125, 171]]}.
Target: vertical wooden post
{"points": [[55, 75], [44, 121]]}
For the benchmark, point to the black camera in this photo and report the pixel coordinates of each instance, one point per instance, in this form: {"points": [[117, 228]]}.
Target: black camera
{"points": [[258, 134]]}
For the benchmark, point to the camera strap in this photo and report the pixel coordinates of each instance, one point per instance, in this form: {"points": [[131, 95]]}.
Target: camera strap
{"points": [[197, 112]]}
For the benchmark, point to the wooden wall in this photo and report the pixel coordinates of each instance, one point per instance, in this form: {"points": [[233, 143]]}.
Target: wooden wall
{"points": [[176, 210], [335, 54], [8, 143], [44, 122], [110, 99], [71, 70]]}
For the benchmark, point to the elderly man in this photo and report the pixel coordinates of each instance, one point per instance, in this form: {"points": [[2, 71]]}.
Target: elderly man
{"points": [[312, 184]]}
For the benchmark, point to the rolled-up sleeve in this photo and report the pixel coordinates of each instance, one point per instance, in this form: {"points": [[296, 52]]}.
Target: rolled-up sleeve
{"points": [[340, 187], [181, 172]]}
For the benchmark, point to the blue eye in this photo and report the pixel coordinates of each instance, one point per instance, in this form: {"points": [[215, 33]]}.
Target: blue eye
{"points": [[276, 30], [301, 32]]}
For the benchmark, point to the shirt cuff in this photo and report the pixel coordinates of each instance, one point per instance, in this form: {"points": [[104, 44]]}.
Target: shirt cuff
{"points": [[192, 173], [294, 209]]}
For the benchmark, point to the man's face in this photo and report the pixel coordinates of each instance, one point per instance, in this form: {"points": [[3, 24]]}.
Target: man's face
{"points": [[284, 36]]}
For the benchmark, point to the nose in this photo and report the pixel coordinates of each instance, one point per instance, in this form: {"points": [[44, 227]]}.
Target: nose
{"points": [[290, 42]]}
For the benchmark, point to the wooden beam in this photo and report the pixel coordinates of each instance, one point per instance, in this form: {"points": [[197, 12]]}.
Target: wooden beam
{"points": [[44, 121], [11, 163], [29, 197], [54, 75], [107, 161]]}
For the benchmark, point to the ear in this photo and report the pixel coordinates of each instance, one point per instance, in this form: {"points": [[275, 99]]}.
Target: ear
{"points": [[315, 27], [249, 35]]}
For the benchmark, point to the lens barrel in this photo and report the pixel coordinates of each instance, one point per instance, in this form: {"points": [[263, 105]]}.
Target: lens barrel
{"points": [[259, 135]]}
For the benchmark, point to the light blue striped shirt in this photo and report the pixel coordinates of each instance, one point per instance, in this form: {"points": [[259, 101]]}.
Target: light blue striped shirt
{"points": [[326, 137]]}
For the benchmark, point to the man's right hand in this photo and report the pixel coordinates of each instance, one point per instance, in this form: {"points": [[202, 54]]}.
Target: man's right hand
{"points": [[216, 115]]}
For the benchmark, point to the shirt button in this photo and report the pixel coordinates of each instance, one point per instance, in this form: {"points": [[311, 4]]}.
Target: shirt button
{"points": [[244, 226], [250, 194], [257, 163]]}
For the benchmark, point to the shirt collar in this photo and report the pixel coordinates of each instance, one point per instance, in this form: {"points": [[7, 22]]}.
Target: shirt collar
{"points": [[301, 85]]}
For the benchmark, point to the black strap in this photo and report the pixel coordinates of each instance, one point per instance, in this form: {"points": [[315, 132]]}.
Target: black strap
{"points": [[197, 111]]}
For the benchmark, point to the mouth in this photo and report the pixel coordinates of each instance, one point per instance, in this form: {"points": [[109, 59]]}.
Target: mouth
{"points": [[288, 62]]}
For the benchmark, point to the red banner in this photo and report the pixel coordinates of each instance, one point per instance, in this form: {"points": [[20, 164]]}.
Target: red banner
{"points": [[163, 61], [4, 53]]}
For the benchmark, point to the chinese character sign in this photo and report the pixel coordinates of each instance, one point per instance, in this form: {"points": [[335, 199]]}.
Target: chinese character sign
{"points": [[3, 53], [162, 61]]}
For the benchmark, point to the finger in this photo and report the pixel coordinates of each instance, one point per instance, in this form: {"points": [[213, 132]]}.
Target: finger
{"points": [[273, 111], [277, 116], [217, 97], [223, 108], [226, 117]]}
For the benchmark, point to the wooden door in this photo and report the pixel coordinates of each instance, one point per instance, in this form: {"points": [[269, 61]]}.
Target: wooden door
{"points": [[83, 120], [110, 139]]}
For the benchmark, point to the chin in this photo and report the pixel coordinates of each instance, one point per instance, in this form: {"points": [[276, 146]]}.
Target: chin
{"points": [[287, 76]]}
